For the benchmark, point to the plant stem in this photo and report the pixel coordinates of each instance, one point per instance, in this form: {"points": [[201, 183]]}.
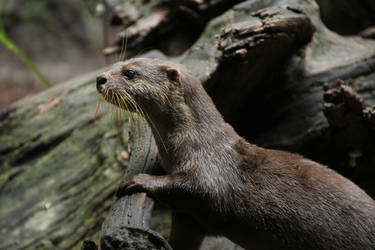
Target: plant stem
{"points": [[12, 47]]}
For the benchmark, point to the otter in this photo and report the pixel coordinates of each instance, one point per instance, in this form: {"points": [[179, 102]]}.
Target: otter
{"points": [[219, 184]]}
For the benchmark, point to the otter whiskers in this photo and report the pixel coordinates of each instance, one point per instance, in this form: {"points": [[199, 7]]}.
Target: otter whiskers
{"points": [[125, 99], [100, 102], [124, 46]]}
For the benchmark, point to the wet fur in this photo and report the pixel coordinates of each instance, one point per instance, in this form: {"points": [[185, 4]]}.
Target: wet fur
{"points": [[219, 184]]}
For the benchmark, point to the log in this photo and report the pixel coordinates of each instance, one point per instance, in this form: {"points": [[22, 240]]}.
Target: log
{"points": [[127, 225], [170, 26], [58, 166]]}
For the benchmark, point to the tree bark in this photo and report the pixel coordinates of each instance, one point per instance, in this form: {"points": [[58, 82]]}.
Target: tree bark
{"points": [[59, 164], [127, 225], [170, 26]]}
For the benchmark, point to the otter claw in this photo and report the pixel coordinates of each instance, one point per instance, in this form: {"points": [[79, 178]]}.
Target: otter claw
{"points": [[135, 184]]}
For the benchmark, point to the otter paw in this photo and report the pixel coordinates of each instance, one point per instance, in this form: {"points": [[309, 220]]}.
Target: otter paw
{"points": [[136, 184]]}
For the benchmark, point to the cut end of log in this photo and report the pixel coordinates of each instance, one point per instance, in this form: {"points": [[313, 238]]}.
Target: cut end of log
{"points": [[126, 238]]}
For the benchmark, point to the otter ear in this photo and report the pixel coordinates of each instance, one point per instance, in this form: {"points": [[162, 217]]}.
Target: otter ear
{"points": [[173, 75]]}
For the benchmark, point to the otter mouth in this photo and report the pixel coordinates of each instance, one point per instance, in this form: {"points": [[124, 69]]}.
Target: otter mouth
{"points": [[119, 97]]}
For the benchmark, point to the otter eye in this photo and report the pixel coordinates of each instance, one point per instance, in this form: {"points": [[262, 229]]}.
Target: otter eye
{"points": [[129, 74]]}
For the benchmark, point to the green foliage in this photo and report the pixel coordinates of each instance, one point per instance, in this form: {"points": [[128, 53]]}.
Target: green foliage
{"points": [[12, 47]]}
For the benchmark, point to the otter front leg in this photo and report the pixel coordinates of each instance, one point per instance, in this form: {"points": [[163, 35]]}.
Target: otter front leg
{"points": [[154, 186], [176, 190]]}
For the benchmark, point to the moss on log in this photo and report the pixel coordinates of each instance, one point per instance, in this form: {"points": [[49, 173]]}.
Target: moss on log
{"points": [[58, 166]]}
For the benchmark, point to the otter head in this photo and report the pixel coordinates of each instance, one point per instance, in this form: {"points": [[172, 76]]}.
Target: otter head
{"points": [[141, 85]]}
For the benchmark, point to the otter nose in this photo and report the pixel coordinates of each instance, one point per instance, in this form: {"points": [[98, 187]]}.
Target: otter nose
{"points": [[100, 81]]}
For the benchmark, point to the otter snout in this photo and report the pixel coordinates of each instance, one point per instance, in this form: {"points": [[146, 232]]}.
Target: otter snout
{"points": [[100, 81]]}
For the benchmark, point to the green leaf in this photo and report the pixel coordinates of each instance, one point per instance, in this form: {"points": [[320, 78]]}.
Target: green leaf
{"points": [[12, 47]]}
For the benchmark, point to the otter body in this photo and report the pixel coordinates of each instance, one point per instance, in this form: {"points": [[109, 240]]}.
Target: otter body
{"points": [[219, 184]]}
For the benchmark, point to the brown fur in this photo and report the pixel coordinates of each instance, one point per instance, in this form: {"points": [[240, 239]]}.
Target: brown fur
{"points": [[218, 184]]}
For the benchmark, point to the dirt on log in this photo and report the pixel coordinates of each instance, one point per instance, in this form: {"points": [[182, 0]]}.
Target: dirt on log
{"points": [[264, 63]]}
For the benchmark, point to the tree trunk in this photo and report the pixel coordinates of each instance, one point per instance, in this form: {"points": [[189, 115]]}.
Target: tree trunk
{"points": [[60, 164]]}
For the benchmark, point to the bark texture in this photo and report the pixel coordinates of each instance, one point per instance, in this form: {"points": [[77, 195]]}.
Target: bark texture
{"points": [[59, 164], [127, 225]]}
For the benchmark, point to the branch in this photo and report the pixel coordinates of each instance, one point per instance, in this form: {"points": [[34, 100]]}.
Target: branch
{"points": [[127, 225]]}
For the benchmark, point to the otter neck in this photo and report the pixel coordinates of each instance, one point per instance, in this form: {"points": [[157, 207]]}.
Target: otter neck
{"points": [[189, 127]]}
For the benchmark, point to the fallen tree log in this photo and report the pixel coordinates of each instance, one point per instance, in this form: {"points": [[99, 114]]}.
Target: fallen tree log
{"points": [[58, 164]]}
